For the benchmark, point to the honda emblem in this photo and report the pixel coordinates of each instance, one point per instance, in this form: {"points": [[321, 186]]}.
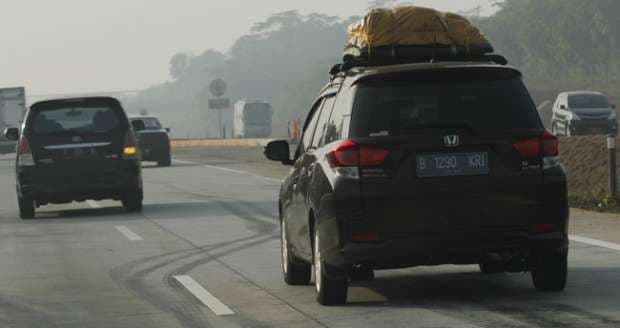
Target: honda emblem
{"points": [[77, 139], [452, 141]]}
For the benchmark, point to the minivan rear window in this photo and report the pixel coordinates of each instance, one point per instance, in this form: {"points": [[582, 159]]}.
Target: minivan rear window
{"points": [[76, 118], [410, 106]]}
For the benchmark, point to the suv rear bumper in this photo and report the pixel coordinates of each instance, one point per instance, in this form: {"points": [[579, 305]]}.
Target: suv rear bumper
{"points": [[467, 248]]}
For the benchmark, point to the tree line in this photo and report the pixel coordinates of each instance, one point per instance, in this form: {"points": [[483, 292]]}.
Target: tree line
{"points": [[285, 59]]}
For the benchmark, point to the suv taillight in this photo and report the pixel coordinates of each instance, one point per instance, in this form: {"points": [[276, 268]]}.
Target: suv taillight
{"points": [[130, 150], [349, 155], [24, 151], [547, 147]]}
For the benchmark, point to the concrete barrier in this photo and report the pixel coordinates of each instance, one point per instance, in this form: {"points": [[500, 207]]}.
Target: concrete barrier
{"points": [[189, 143]]}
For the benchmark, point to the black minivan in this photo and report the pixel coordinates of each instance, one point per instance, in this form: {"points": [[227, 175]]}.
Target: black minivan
{"points": [[422, 164], [76, 150]]}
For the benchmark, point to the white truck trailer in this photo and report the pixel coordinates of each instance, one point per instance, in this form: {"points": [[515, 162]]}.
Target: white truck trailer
{"points": [[12, 107], [252, 119]]}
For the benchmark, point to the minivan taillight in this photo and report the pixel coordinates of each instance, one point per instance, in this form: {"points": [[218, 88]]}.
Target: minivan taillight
{"points": [[25, 157], [350, 154], [547, 147], [130, 150]]}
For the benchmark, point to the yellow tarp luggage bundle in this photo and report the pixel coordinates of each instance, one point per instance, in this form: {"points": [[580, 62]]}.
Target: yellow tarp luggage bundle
{"points": [[415, 33]]}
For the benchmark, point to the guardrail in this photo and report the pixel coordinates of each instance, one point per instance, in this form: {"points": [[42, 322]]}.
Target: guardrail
{"points": [[189, 143]]}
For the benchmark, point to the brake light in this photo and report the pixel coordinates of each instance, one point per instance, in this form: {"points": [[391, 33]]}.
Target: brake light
{"points": [[350, 154], [130, 149], [365, 237], [550, 145], [545, 146], [25, 153], [544, 227]]}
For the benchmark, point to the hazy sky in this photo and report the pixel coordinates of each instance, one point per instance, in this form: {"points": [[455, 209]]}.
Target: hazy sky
{"points": [[65, 46]]}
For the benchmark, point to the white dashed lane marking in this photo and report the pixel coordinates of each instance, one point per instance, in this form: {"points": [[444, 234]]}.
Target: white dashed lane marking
{"points": [[93, 204], [594, 242], [203, 295], [128, 233]]}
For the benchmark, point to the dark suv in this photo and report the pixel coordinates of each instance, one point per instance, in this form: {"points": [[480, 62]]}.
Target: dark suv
{"points": [[76, 150], [153, 140], [422, 164]]}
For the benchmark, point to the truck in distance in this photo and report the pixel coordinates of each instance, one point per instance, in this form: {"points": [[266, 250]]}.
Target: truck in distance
{"points": [[252, 119], [12, 107]]}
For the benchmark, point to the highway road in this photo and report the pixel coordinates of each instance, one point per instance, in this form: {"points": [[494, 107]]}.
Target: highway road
{"points": [[205, 253]]}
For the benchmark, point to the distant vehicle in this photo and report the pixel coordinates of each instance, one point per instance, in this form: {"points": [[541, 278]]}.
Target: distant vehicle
{"points": [[153, 140], [583, 113], [12, 107], [76, 150], [252, 119], [422, 164]]}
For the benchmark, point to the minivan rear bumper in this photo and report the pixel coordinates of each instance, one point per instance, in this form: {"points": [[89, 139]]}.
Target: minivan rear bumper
{"points": [[96, 185], [469, 248], [586, 127]]}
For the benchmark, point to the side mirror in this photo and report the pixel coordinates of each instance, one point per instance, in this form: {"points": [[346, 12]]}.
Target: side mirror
{"points": [[563, 107], [167, 130], [11, 134], [138, 125], [279, 151]]}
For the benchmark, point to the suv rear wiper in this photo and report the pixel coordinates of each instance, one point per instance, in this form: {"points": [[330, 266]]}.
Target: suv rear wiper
{"points": [[438, 125]]}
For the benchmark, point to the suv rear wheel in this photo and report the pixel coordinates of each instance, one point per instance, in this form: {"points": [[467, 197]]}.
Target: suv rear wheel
{"points": [[26, 208], [330, 291], [133, 201], [295, 271], [549, 272], [165, 161]]}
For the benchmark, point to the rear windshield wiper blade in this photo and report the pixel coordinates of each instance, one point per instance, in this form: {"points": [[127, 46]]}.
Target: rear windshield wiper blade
{"points": [[438, 125]]}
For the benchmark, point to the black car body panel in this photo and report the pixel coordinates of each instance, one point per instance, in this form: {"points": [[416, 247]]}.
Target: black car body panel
{"points": [[153, 141], [389, 216], [77, 163]]}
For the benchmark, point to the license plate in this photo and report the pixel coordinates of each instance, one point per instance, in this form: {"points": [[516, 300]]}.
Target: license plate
{"points": [[456, 164]]}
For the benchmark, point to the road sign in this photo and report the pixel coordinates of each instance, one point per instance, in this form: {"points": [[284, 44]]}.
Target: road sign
{"points": [[219, 103], [218, 87]]}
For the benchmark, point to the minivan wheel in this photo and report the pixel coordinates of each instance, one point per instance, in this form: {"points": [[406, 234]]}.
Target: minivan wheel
{"points": [[549, 272], [330, 291], [26, 208], [294, 270], [133, 201]]}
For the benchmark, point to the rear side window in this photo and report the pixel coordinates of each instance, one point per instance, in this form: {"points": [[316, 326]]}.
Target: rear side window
{"points": [[75, 118], [588, 101], [336, 122], [321, 126], [409, 105]]}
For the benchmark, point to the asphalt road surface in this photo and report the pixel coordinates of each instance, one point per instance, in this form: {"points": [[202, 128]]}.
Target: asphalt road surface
{"points": [[205, 253]]}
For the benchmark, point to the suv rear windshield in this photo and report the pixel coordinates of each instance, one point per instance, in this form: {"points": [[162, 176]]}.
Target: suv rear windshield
{"points": [[149, 123], [418, 103], [588, 101], [69, 118]]}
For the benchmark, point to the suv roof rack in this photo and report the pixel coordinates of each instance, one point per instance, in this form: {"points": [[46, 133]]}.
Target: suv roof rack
{"points": [[393, 55]]}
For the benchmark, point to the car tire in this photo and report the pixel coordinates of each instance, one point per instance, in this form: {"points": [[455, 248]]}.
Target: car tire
{"points": [[133, 201], [295, 271], [166, 161], [549, 272], [491, 267], [26, 208], [330, 290]]}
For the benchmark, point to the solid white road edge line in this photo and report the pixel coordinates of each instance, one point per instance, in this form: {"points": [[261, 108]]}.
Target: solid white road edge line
{"points": [[203, 295], [93, 204], [128, 233], [594, 242], [227, 170]]}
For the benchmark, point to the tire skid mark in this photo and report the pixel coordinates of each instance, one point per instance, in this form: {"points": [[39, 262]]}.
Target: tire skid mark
{"points": [[14, 313], [536, 315], [134, 276]]}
